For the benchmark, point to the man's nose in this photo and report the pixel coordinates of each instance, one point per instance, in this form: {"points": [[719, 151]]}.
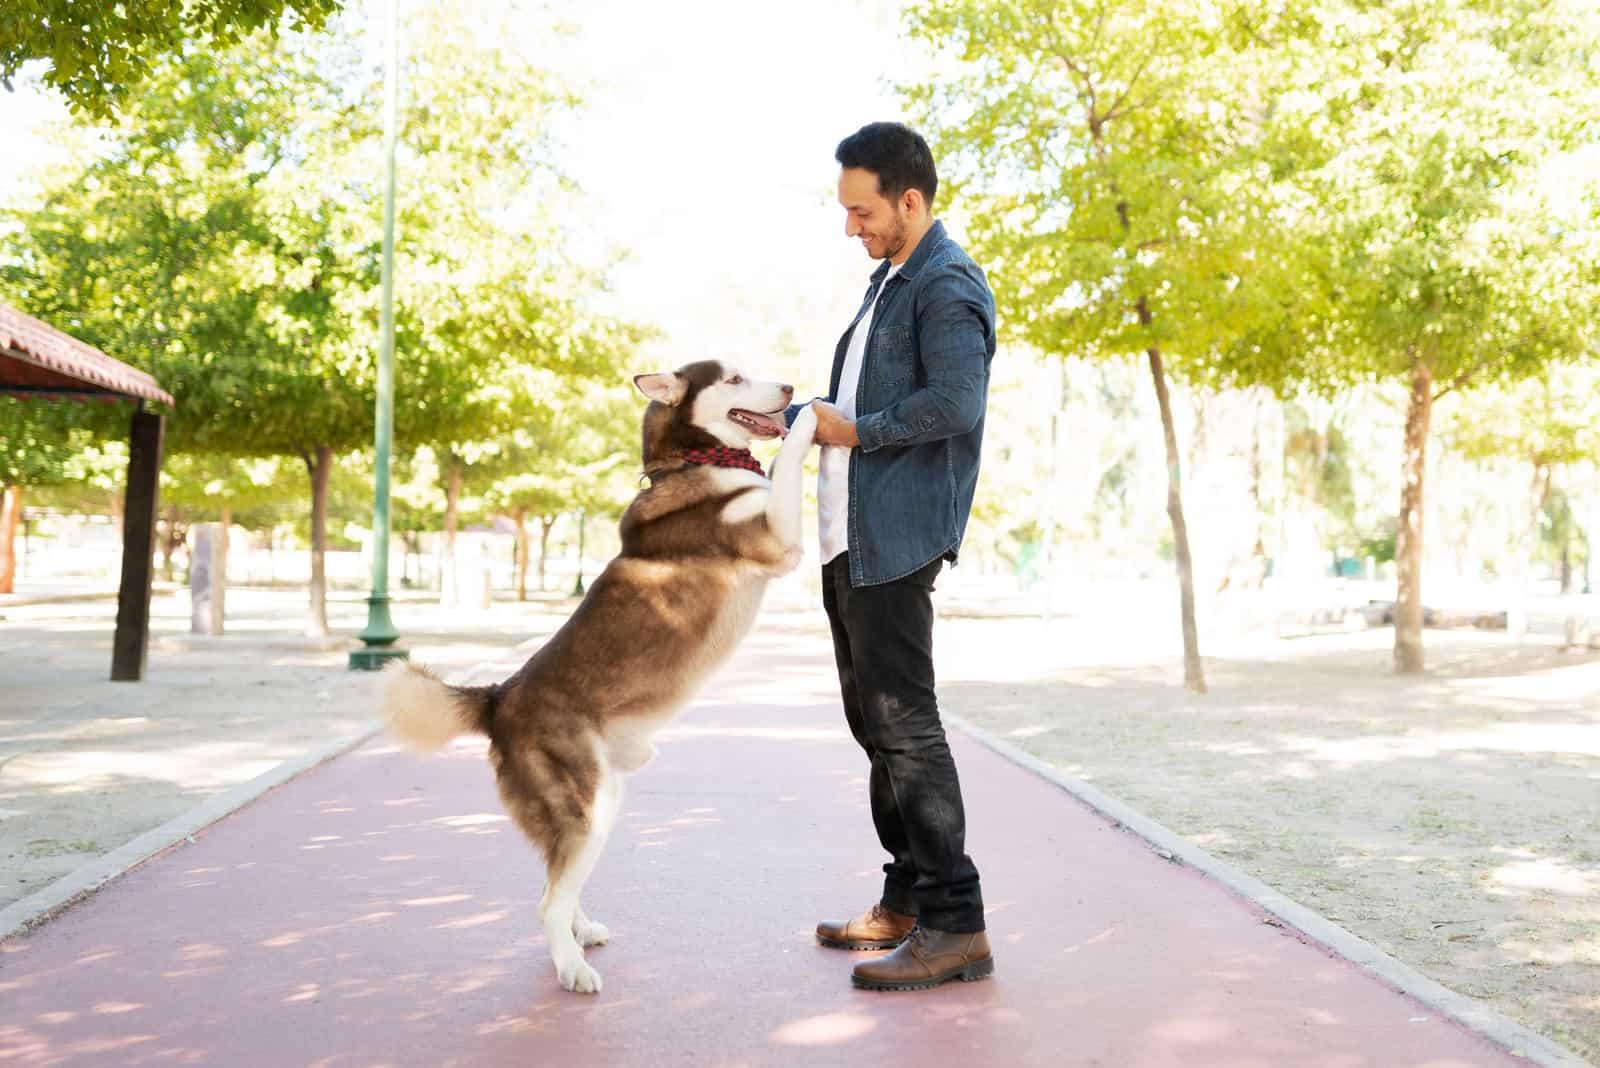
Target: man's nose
{"points": [[850, 227]]}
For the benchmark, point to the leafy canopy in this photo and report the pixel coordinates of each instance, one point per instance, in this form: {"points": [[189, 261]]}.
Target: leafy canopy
{"points": [[99, 53]]}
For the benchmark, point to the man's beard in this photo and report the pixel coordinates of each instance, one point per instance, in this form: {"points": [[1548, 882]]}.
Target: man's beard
{"points": [[894, 240]]}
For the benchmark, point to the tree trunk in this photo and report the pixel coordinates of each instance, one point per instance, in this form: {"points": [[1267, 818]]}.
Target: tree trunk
{"points": [[1408, 658], [319, 470], [521, 516], [449, 592], [545, 523], [1258, 493], [1527, 549], [583, 521], [452, 499], [10, 515], [173, 538], [1193, 675], [227, 521]]}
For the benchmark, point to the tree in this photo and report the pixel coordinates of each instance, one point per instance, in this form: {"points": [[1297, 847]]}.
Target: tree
{"points": [[575, 459], [1546, 423], [227, 240], [198, 245], [41, 443], [1445, 203], [98, 54], [1102, 154]]}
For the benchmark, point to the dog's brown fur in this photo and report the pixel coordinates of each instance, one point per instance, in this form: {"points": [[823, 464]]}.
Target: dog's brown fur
{"points": [[672, 604]]}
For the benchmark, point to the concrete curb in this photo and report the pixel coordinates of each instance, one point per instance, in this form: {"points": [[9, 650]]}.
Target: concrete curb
{"points": [[1472, 1014], [45, 905]]}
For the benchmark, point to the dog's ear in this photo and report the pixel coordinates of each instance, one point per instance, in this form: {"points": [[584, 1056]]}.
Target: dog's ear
{"points": [[668, 387]]}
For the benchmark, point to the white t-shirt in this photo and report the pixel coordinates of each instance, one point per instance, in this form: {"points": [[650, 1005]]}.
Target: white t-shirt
{"points": [[833, 475]]}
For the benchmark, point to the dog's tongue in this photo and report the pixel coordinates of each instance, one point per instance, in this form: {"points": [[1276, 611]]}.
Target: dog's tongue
{"points": [[760, 424]]}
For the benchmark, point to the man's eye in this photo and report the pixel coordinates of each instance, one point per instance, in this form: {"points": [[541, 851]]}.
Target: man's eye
{"points": [[736, 381]]}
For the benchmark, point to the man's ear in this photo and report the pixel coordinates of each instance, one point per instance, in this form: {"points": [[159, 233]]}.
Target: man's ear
{"points": [[668, 387]]}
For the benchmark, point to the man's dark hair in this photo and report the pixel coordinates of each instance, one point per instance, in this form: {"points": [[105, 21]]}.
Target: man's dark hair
{"points": [[894, 152]]}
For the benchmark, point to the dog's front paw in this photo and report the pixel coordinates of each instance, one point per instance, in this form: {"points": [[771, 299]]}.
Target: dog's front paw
{"points": [[791, 560], [588, 933], [804, 427], [579, 978]]}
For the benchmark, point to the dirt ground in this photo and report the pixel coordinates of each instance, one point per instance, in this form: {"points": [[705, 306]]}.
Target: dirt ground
{"points": [[1451, 819]]}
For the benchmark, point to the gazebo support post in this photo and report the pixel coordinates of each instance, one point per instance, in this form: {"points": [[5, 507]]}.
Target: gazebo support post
{"points": [[128, 647]]}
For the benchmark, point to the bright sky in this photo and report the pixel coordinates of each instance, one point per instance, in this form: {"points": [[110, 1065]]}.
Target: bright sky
{"points": [[709, 144], [706, 147]]}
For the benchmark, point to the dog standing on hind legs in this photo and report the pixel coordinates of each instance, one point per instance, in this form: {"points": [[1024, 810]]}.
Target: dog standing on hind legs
{"points": [[698, 548]]}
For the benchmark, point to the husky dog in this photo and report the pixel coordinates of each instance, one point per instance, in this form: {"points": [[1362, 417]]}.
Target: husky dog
{"points": [[698, 547]]}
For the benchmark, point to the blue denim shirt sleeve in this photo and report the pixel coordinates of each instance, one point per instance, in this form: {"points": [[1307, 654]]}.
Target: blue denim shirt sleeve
{"points": [[952, 336]]}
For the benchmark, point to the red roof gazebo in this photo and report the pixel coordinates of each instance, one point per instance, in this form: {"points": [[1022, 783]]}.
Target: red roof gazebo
{"points": [[37, 360]]}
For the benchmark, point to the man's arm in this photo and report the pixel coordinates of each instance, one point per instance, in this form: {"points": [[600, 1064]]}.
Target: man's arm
{"points": [[952, 336]]}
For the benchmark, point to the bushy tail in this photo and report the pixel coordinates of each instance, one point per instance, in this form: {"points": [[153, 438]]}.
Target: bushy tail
{"points": [[425, 712]]}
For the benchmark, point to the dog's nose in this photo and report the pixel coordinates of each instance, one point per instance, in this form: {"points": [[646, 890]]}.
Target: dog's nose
{"points": [[788, 391]]}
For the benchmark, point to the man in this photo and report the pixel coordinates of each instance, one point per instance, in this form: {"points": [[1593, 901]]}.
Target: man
{"points": [[901, 431]]}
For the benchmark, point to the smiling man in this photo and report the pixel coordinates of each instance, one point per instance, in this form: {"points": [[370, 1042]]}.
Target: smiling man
{"points": [[902, 429]]}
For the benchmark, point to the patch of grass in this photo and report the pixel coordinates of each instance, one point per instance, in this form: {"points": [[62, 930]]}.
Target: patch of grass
{"points": [[50, 847]]}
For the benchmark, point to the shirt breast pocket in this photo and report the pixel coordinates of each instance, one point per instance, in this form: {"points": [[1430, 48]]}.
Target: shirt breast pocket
{"points": [[893, 361]]}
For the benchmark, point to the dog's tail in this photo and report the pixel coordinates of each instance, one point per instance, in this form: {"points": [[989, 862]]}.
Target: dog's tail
{"points": [[425, 712]]}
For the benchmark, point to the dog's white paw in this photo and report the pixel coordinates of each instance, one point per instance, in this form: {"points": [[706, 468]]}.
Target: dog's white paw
{"points": [[578, 977], [588, 933], [792, 558], [805, 422]]}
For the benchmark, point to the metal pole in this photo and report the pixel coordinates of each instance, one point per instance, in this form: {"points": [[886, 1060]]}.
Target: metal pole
{"points": [[380, 634]]}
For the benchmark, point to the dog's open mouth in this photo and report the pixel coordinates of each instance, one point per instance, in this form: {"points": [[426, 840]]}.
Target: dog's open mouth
{"points": [[760, 424]]}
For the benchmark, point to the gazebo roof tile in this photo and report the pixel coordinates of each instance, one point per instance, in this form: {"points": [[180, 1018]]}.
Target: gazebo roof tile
{"points": [[37, 355]]}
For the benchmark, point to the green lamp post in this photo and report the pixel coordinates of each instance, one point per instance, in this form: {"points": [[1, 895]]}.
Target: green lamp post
{"points": [[380, 635]]}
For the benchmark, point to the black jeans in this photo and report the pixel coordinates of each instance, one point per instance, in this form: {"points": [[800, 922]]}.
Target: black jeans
{"points": [[883, 643]]}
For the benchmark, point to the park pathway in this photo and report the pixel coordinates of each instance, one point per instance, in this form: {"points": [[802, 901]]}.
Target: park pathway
{"points": [[380, 910]]}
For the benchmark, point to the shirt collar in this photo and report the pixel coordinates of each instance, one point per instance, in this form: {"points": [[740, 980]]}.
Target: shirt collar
{"points": [[920, 256]]}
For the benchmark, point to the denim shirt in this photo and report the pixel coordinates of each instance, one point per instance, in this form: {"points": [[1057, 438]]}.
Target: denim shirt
{"points": [[919, 411]]}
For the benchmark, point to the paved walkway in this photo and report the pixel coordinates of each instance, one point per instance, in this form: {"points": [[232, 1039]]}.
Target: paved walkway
{"points": [[380, 910]]}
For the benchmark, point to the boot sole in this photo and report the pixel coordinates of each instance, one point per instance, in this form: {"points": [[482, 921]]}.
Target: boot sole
{"points": [[859, 943], [969, 973]]}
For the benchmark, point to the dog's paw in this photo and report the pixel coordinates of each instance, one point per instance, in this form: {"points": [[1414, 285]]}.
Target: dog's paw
{"points": [[791, 559], [579, 978], [804, 427], [588, 933]]}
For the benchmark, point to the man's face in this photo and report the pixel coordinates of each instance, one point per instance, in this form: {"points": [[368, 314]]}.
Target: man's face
{"points": [[880, 223]]}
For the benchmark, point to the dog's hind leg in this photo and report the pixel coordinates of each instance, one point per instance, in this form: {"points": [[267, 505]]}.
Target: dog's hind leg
{"points": [[565, 926], [585, 930]]}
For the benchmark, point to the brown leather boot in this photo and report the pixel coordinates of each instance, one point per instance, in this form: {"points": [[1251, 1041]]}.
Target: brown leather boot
{"points": [[878, 928], [928, 958]]}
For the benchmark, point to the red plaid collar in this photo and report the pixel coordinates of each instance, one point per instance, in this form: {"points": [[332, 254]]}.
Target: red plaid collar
{"points": [[725, 457]]}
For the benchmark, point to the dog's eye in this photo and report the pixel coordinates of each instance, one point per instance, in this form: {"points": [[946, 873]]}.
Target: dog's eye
{"points": [[736, 380]]}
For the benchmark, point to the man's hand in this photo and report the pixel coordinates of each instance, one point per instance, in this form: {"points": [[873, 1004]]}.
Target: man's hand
{"points": [[833, 426]]}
